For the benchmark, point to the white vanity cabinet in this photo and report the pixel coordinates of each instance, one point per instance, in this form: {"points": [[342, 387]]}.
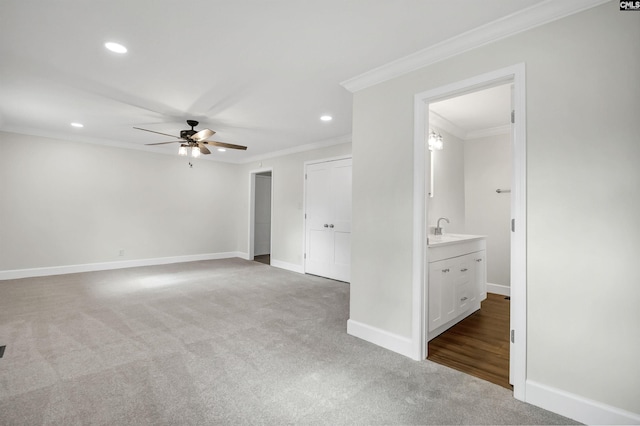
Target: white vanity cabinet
{"points": [[457, 280]]}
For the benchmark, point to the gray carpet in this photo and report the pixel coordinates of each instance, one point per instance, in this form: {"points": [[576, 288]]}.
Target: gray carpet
{"points": [[217, 342]]}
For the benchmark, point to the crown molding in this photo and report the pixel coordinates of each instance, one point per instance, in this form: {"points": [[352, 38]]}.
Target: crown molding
{"points": [[492, 131], [526, 19], [114, 144], [439, 122], [296, 149]]}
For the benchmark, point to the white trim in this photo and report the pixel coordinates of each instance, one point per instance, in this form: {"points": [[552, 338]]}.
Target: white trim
{"points": [[491, 131], [503, 290], [326, 160], [155, 150], [301, 148], [578, 408], [515, 74], [105, 266], [439, 122], [523, 20], [420, 257], [377, 336], [288, 266]]}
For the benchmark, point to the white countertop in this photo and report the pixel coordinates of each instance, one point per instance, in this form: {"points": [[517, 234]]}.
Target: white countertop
{"points": [[447, 239]]}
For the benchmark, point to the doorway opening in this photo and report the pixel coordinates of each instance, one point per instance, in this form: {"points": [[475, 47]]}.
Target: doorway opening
{"points": [[260, 216], [472, 170], [513, 75]]}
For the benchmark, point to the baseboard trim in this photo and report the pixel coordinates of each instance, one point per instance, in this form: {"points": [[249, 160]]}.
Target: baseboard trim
{"points": [[104, 266], [377, 336], [288, 266], [504, 290], [576, 407]]}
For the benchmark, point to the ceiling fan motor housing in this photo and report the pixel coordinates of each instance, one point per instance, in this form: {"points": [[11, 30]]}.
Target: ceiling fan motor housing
{"points": [[186, 134]]}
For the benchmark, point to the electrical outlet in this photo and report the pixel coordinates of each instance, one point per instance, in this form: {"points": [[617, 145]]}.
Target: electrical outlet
{"points": [[121, 252]]}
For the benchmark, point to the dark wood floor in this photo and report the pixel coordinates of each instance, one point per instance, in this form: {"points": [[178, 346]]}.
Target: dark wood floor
{"points": [[263, 258], [479, 344]]}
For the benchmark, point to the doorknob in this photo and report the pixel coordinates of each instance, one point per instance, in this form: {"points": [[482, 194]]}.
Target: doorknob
{"points": [[331, 226]]}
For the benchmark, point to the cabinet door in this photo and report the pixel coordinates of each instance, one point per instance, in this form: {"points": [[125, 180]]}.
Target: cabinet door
{"points": [[442, 295], [465, 288], [480, 273]]}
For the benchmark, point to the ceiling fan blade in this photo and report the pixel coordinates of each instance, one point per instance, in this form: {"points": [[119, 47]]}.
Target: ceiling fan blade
{"points": [[202, 135], [153, 131], [203, 149], [162, 143], [225, 145]]}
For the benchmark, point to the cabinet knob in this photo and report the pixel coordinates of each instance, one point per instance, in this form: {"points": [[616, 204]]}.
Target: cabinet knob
{"points": [[463, 270], [331, 226], [464, 298], [326, 226], [478, 260], [445, 270]]}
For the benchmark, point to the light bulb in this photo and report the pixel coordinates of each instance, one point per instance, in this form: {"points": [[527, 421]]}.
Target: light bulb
{"points": [[182, 150], [195, 152]]}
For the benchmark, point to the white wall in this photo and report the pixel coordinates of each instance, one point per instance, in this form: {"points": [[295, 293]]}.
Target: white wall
{"points": [[449, 194], [583, 98], [487, 167], [287, 198], [67, 203]]}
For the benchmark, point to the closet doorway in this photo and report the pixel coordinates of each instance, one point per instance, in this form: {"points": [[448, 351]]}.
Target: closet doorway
{"points": [[260, 217]]}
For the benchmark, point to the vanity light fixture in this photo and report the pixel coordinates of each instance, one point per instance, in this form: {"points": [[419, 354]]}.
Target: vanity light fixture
{"points": [[435, 141], [115, 47]]}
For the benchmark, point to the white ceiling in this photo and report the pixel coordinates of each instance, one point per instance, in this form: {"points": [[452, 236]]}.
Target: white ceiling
{"points": [[259, 72], [481, 113]]}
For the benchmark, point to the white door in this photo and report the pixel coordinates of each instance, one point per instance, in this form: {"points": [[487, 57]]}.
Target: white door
{"points": [[328, 219]]}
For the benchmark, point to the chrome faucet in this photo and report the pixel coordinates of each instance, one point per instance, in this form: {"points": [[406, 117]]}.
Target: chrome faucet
{"points": [[438, 230]]}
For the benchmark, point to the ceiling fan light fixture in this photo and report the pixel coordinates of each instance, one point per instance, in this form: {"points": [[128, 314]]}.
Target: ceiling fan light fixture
{"points": [[195, 152], [115, 47], [78, 125], [182, 150], [326, 118]]}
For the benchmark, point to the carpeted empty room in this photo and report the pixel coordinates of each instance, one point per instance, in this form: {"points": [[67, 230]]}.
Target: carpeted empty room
{"points": [[217, 342]]}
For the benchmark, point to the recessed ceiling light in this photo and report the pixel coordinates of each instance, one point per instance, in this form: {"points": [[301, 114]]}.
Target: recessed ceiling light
{"points": [[221, 149], [77, 124], [115, 47], [326, 118]]}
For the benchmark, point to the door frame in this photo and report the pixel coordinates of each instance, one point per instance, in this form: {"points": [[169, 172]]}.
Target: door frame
{"points": [[304, 201], [514, 74], [252, 210]]}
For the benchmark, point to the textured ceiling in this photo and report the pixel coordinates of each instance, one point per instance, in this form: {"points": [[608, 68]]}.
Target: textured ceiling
{"points": [[258, 72]]}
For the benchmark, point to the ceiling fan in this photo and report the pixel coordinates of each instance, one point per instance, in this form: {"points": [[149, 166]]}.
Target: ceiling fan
{"points": [[194, 141]]}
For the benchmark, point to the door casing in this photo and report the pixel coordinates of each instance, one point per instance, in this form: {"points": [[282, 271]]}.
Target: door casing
{"points": [[516, 75], [252, 209]]}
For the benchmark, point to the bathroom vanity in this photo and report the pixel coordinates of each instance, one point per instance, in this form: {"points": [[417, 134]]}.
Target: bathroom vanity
{"points": [[457, 279]]}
